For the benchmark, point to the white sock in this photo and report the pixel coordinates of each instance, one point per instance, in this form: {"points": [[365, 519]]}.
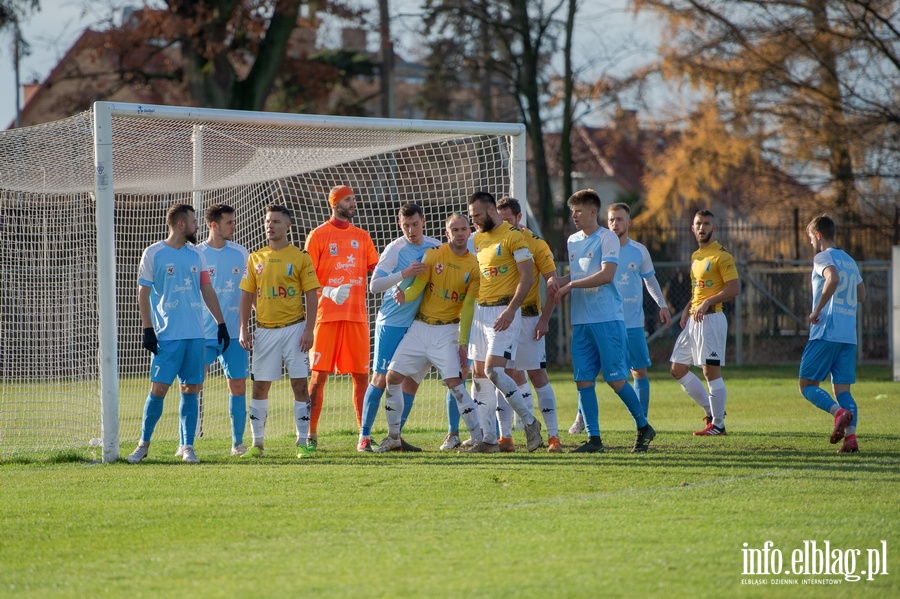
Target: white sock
{"points": [[527, 398], [717, 395], [468, 411], [510, 390], [547, 404], [393, 409], [504, 416], [485, 398], [259, 411], [301, 417], [695, 389]]}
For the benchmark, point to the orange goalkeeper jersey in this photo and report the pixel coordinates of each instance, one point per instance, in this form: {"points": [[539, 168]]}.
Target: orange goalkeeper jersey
{"points": [[341, 255]]}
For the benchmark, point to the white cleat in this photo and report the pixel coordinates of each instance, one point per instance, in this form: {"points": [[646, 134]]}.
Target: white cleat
{"points": [[577, 426], [451, 441], [180, 451], [238, 450], [188, 455], [138, 454], [389, 444]]}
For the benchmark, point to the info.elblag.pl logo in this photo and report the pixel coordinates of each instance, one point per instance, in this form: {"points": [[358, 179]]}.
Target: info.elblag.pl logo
{"points": [[813, 558]]}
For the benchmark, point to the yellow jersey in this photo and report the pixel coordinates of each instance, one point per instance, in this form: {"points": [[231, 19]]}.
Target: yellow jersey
{"points": [[447, 281], [279, 278], [711, 268], [498, 252], [543, 265]]}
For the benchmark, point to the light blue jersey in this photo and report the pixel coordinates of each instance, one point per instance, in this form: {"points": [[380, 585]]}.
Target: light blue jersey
{"points": [[225, 267], [173, 276], [837, 321], [399, 254], [635, 265], [586, 257]]}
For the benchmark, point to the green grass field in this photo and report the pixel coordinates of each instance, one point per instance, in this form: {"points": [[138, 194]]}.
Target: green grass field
{"points": [[670, 523]]}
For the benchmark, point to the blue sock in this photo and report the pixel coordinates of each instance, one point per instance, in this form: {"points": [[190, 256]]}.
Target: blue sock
{"points": [[847, 402], [590, 409], [153, 408], [452, 414], [408, 399], [189, 412], [631, 401], [642, 388], [238, 410], [371, 403], [818, 397]]}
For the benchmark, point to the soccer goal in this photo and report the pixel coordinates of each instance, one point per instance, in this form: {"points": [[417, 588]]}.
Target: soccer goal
{"points": [[81, 198]]}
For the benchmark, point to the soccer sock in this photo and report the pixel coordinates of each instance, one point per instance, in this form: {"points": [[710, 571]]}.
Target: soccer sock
{"points": [[547, 404], [237, 409], [820, 398], [469, 413], [527, 397], [848, 403], [504, 415], [153, 408], [393, 409], [510, 390], [717, 396], [408, 400], [485, 399], [301, 417], [189, 411], [316, 398], [453, 412], [259, 411], [371, 403], [642, 388], [692, 385], [629, 397], [590, 409], [360, 383]]}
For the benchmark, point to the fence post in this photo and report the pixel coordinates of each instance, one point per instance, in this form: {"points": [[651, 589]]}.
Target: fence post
{"points": [[739, 329]]}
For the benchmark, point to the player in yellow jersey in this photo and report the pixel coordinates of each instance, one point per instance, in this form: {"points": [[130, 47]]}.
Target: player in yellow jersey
{"points": [[714, 279], [439, 334], [531, 355], [277, 279], [506, 270]]}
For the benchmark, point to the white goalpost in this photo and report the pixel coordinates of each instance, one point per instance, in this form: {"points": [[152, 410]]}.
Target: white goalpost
{"points": [[81, 198]]}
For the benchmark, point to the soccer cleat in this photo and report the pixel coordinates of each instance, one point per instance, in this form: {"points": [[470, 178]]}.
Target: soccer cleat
{"points": [[451, 441], [850, 445], [644, 436], [592, 445], [364, 445], [404, 446], [188, 455], [390, 444], [577, 426], [702, 431], [138, 454], [305, 451], [506, 444], [313, 442], [842, 420], [482, 447], [533, 438], [468, 443], [711, 430], [238, 450], [180, 451], [553, 445], [255, 451]]}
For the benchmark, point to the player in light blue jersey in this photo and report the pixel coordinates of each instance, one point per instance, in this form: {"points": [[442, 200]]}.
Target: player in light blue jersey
{"points": [[837, 290], [226, 262], [173, 286], [598, 320], [397, 267]]}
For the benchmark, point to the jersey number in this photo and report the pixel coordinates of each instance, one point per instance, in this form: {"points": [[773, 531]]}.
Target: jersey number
{"points": [[846, 291]]}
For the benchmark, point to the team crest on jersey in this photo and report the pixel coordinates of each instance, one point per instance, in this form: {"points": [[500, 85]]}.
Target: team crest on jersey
{"points": [[333, 249], [170, 270], [259, 269], [632, 265], [212, 271], [235, 271], [438, 268], [194, 270], [354, 244]]}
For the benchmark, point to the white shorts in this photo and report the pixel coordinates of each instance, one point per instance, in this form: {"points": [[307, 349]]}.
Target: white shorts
{"points": [[272, 347], [484, 341], [531, 354], [702, 343], [425, 345]]}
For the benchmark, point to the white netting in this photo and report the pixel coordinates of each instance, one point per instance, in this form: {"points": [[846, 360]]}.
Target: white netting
{"points": [[48, 338]]}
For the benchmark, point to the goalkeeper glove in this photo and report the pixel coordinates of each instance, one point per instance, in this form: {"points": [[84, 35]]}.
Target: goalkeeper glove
{"points": [[337, 294], [150, 343], [222, 337]]}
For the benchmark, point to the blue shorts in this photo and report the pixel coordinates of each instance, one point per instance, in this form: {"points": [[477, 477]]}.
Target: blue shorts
{"points": [[235, 361], [821, 357], [638, 352], [387, 338], [597, 347], [182, 358]]}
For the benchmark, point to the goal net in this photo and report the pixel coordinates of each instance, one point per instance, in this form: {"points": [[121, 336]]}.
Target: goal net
{"points": [[81, 198]]}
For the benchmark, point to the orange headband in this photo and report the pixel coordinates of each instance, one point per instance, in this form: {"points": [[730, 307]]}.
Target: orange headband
{"points": [[339, 193]]}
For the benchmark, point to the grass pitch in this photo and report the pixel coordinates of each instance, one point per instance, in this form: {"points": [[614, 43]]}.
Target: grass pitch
{"points": [[670, 523]]}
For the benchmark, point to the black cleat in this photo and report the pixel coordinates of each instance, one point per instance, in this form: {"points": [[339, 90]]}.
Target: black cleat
{"points": [[592, 445], [644, 436]]}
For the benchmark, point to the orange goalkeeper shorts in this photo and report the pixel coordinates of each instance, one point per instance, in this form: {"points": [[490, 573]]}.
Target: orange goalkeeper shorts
{"points": [[340, 347]]}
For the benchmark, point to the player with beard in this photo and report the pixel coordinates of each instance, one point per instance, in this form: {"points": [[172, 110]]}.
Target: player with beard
{"points": [[714, 280], [173, 285], [343, 255]]}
